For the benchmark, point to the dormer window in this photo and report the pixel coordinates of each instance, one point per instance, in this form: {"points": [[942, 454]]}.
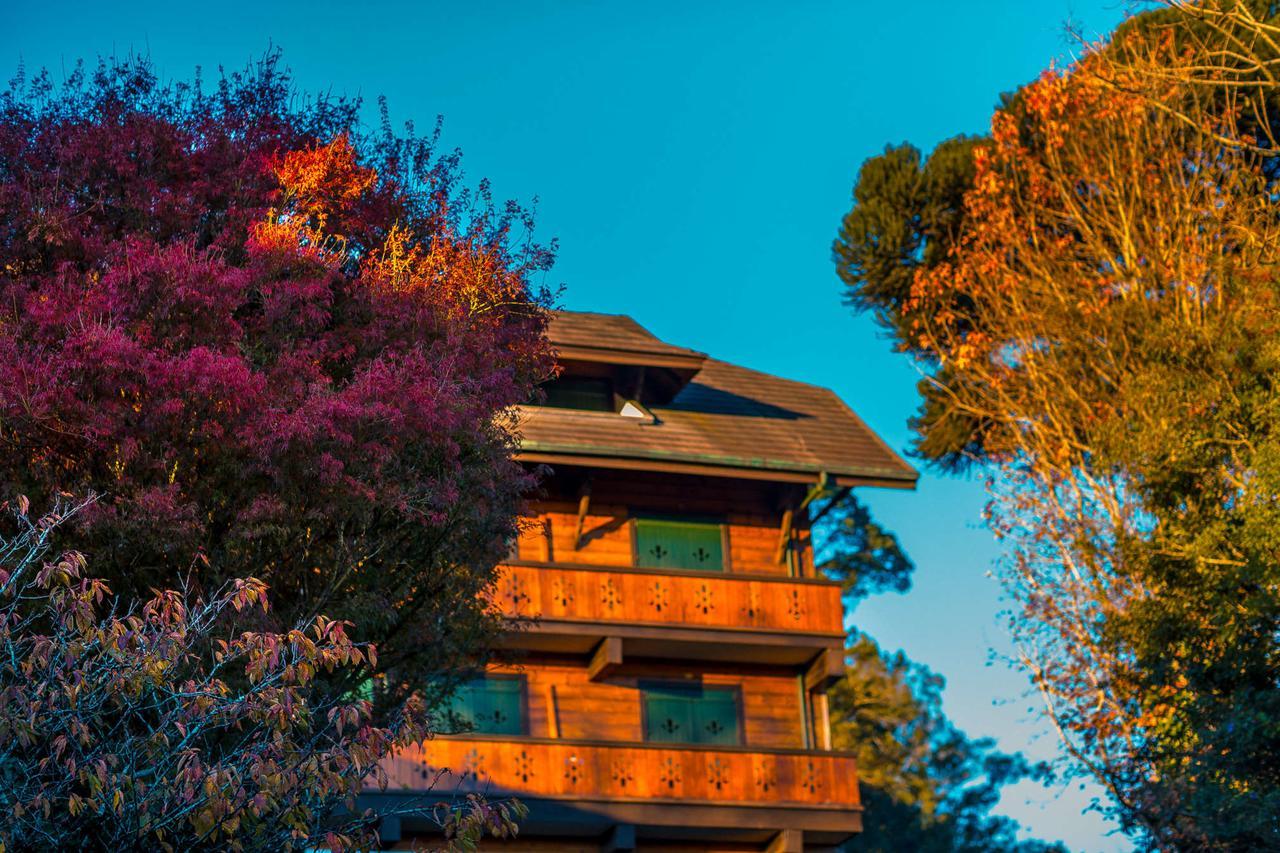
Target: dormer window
{"points": [[584, 393]]}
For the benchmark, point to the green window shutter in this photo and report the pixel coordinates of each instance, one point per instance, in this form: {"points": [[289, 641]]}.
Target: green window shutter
{"points": [[690, 714], [491, 705], [716, 716], [663, 543], [668, 715]]}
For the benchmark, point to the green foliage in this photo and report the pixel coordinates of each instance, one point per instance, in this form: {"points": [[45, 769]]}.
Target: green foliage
{"points": [[925, 785], [907, 211], [855, 550]]}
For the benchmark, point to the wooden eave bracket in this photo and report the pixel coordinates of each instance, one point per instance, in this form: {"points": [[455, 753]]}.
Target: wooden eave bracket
{"points": [[816, 491], [606, 659], [825, 670], [787, 841]]}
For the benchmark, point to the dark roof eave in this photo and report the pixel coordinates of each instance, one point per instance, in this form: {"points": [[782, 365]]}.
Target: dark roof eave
{"points": [[691, 361], [713, 465]]}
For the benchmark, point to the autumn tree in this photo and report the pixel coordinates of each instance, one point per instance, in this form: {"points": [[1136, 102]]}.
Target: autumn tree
{"points": [[275, 343], [1097, 324], [134, 725]]}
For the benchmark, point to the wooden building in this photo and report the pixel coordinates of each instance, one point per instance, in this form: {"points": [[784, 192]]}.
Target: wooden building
{"points": [[677, 641]]}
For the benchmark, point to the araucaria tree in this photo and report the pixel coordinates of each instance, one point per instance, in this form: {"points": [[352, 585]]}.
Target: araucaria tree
{"points": [[1092, 290], [273, 343]]}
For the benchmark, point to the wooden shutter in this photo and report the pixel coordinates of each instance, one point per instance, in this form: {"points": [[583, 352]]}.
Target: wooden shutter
{"points": [[668, 714], [679, 713], [716, 716], [665, 543], [491, 705]]}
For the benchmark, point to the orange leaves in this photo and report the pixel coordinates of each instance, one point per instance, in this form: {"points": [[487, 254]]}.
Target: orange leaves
{"points": [[248, 591], [461, 273], [323, 177], [316, 184]]}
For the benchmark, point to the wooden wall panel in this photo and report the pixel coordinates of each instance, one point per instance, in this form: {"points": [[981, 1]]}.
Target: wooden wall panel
{"points": [[607, 537], [562, 702]]}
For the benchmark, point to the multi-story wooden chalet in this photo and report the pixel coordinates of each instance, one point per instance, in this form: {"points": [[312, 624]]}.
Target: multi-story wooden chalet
{"points": [[677, 640]]}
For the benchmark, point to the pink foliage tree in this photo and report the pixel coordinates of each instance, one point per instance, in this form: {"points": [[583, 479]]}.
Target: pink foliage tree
{"points": [[274, 343]]}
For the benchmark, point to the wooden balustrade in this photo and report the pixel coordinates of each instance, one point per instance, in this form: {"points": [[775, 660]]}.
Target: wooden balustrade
{"points": [[649, 597], [569, 770]]}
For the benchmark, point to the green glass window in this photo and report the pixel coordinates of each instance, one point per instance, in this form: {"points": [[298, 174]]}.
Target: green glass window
{"points": [[690, 713], [490, 705], [671, 543]]}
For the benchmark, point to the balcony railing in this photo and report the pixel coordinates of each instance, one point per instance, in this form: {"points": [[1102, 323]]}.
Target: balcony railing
{"points": [[569, 770], [670, 598]]}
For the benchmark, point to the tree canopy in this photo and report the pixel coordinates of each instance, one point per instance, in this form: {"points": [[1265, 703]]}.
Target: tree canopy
{"points": [[1096, 322], [273, 342]]}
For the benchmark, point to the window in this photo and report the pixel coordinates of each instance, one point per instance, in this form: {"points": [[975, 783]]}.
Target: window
{"points": [[579, 392], [675, 543], [690, 713], [490, 704]]}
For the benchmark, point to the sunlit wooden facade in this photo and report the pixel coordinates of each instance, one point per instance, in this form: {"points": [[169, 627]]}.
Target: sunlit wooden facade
{"points": [[673, 642]]}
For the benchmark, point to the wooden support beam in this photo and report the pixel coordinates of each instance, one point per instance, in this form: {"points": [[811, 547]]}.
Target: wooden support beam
{"points": [[816, 491], [584, 504], [825, 669], [606, 659], [621, 839], [831, 504], [784, 538], [787, 841]]}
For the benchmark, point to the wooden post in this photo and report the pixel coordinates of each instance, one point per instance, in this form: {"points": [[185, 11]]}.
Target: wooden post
{"points": [[784, 536], [546, 538], [822, 710]]}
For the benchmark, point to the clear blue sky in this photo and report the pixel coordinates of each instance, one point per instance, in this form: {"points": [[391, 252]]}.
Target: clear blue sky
{"points": [[694, 159]]}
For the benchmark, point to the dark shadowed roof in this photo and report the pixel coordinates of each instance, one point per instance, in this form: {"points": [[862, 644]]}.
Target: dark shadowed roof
{"points": [[728, 420]]}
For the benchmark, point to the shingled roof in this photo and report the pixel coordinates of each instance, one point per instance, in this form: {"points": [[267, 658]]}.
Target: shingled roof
{"points": [[616, 338], [727, 421]]}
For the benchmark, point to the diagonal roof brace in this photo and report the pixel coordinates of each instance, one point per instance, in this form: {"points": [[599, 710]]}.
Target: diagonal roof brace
{"points": [[817, 490]]}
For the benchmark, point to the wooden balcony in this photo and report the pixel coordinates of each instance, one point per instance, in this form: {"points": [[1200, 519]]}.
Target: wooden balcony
{"points": [[659, 613], [590, 785]]}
